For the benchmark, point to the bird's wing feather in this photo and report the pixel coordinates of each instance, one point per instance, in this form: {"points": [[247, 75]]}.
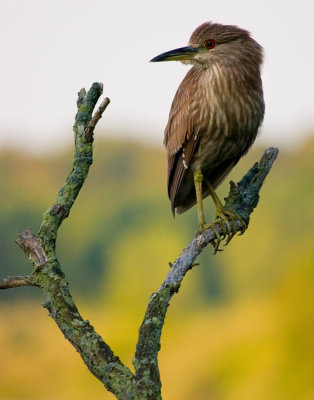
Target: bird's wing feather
{"points": [[182, 116], [178, 168], [181, 135]]}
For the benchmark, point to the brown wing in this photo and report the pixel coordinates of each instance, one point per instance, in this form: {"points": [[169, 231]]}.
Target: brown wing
{"points": [[179, 170], [181, 137], [181, 117]]}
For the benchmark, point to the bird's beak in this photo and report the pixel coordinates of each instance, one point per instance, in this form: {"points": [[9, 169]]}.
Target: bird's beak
{"points": [[183, 53]]}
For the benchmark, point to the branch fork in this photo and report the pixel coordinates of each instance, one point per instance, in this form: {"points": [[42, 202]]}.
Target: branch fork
{"points": [[144, 382]]}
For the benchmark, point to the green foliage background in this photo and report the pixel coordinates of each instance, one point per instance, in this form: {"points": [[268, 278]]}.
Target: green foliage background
{"points": [[242, 325]]}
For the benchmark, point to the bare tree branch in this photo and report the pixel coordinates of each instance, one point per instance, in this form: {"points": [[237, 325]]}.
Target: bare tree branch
{"points": [[31, 246], [243, 198], [15, 281], [96, 117], [47, 273], [83, 158]]}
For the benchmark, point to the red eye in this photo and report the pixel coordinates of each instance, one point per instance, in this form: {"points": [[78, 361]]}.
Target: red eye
{"points": [[210, 44]]}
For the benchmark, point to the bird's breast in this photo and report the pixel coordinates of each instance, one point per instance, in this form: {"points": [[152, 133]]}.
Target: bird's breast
{"points": [[230, 108]]}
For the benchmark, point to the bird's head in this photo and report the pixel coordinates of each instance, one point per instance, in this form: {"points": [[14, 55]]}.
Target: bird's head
{"points": [[212, 42]]}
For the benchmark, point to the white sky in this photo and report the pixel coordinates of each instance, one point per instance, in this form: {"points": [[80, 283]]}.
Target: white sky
{"points": [[50, 49]]}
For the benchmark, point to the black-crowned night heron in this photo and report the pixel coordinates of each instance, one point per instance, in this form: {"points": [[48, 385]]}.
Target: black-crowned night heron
{"points": [[214, 117]]}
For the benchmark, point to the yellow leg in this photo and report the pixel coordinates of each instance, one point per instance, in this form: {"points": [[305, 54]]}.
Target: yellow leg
{"points": [[198, 179], [224, 216]]}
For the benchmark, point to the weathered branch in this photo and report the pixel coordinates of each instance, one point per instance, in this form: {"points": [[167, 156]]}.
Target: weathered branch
{"points": [[145, 383], [47, 273], [83, 158], [15, 281], [93, 122], [243, 198], [31, 245]]}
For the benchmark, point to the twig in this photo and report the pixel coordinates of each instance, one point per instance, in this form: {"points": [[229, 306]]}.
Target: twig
{"points": [[31, 246], [15, 281], [93, 122]]}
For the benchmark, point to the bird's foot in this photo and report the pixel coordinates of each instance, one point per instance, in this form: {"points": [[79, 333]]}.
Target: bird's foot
{"points": [[227, 220]]}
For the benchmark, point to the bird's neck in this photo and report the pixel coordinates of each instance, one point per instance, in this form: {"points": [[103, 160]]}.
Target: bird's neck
{"points": [[229, 79]]}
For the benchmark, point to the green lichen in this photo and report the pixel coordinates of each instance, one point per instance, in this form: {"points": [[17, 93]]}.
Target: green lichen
{"points": [[96, 354]]}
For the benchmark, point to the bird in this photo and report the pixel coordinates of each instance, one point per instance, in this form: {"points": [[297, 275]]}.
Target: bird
{"points": [[214, 118]]}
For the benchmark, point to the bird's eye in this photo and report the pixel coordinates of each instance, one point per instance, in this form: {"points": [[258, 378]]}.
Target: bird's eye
{"points": [[210, 44]]}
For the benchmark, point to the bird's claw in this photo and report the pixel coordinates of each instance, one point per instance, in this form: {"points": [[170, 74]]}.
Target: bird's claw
{"points": [[227, 220]]}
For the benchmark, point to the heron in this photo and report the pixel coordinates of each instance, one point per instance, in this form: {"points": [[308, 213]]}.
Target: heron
{"points": [[214, 118]]}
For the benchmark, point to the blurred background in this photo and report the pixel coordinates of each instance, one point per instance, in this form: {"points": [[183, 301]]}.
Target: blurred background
{"points": [[242, 325]]}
